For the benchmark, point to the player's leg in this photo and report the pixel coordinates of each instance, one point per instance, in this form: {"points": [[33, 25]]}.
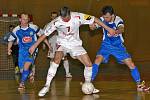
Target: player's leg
{"points": [[95, 66], [21, 61], [66, 66], [53, 67], [32, 73], [102, 56], [32, 67], [24, 75], [51, 72], [88, 66], [26, 61], [134, 70], [80, 53], [122, 56], [51, 53], [84, 58], [136, 75]]}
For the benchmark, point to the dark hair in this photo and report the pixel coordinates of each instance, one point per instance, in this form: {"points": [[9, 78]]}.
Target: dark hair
{"points": [[23, 13], [64, 11], [107, 9], [54, 12], [11, 26]]}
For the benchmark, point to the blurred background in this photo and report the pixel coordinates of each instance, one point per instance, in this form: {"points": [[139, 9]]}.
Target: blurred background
{"points": [[136, 14]]}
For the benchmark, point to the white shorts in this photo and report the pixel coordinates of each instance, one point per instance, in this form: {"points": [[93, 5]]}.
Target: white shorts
{"points": [[73, 51], [51, 54]]}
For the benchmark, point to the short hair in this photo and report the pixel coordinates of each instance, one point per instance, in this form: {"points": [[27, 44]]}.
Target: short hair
{"points": [[54, 12], [64, 11], [23, 13], [107, 9], [11, 26]]}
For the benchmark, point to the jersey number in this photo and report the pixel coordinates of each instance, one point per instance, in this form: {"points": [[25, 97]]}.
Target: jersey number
{"points": [[68, 28]]}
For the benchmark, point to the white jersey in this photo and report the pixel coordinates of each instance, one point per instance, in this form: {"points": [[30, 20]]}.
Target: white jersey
{"points": [[68, 32]]}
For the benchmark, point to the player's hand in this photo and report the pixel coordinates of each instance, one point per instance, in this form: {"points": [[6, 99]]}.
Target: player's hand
{"points": [[118, 31], [92, 26], [32, 49], [9, 51], [111, 32]]}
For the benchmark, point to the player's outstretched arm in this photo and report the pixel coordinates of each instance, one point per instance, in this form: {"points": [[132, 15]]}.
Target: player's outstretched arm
{"points": [[100, 23], [48, 44], [35, 45], [10, 43]]}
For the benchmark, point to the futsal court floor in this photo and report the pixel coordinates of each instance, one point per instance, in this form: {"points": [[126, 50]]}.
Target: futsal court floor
{"points": [[113, 80]]}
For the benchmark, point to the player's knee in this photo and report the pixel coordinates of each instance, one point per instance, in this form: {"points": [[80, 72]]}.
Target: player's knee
{"points": [[131, 65], [98, 59], [89, 64], [57, 61]]}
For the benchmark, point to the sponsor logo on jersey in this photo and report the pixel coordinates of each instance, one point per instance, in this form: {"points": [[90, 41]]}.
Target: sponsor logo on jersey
{"points": [[27, 39], [87, 17], [31, 33]]}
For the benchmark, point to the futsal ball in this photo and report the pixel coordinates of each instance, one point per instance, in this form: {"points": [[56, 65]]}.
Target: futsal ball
{"points": [[87, 88]]}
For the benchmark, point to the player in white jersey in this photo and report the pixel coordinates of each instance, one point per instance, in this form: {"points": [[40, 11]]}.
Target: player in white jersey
{"points": [[52, 40], [68, 40], [113, 45]]}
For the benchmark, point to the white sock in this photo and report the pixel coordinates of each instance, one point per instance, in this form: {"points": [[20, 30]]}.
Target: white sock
{"points": [[51, 73], [87, 74], [66, 66]]}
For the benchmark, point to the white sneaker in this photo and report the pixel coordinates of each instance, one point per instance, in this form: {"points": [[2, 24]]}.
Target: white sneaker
{"points": [[95, 91], [43, 91], [68, 75], [142, 88]]}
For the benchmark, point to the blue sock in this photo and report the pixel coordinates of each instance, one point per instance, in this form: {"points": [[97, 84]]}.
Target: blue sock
{"points": [[136, 75], [25, 75], [95, 68]]}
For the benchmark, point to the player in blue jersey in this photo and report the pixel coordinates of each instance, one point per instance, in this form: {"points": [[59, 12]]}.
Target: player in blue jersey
{"points": [[26, 36], [113, 45]]}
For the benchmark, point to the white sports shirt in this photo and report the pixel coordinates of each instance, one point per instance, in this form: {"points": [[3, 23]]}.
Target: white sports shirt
{"points": [[68, 32]]}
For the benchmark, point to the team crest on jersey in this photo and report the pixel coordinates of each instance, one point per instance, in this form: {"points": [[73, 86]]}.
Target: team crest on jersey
{"points": [[87, 17], [31, 33], [27, 39]]}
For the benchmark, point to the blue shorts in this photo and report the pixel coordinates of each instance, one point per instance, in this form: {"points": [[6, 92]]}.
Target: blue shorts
{"points": [[118, 51], [24, 56]]}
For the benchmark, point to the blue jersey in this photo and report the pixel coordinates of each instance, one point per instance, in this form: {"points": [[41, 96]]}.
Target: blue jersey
{"points": [[113, 40], [26, 37], [113, 45]]}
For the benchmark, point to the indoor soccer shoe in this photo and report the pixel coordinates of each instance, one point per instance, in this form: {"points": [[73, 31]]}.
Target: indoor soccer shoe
{"points": [[142, 88], [95, 91], [43, 91], [21, 86]]}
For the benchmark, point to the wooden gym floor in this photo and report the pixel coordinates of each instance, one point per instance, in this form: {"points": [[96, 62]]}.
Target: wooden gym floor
{"points": [[114, 82]]}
